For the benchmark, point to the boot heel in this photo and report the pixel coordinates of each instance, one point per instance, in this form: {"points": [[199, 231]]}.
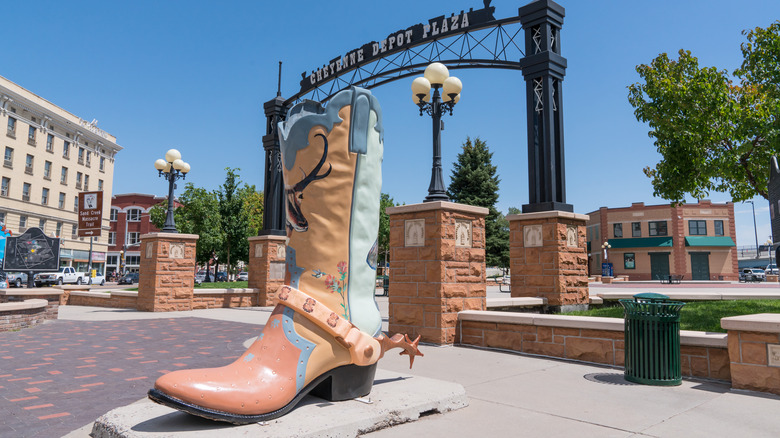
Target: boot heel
{"points": [[346, 382]]}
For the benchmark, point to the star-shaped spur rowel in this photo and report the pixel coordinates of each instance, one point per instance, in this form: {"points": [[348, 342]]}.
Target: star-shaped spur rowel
{"points": [[400, 341]]}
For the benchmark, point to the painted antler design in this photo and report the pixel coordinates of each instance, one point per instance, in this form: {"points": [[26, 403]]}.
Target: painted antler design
{"points": [[295, 218], [400, 341]]}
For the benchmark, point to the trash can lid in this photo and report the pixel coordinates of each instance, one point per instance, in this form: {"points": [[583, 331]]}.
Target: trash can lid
{"points": [[650, 296]]}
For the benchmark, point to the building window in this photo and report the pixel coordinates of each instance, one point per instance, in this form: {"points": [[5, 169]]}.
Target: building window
{"points": [[66, 149], [112, 260], [133, 237], [697, 228], [64, 176], [58, 233], [657, 228], [50, 143], [61, 202], [134, 215], [42, 225], [11, 127], [718, 228], [88, 160], [113, 214], [2, 217], [112, 237], [31, 135], [133, 260], [75, 203], [26, 192], [74, 231], [86, 182], [78, 180], [102, 164], [617, 230], [28, 164], [629, 260], [81, 155], [22, 223], [47, 170], [100, 185], [8, 158], [6, 183], [45, 196], [636, 229]]}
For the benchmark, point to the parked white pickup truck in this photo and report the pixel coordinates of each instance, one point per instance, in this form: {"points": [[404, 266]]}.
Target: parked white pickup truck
{"points": [[66, 275]]}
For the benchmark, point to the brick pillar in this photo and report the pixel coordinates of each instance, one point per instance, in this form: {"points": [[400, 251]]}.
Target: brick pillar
{"points": [[167, 276], [437, 267], [548, 257], [266, 266]]}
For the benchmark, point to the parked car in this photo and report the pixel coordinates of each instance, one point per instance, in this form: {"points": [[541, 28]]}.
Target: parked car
{"points": [[65, 275], [771, 269], [99, 278], [221, 276], [243, 276], [16, 279], [129, 278], [752, 274]]}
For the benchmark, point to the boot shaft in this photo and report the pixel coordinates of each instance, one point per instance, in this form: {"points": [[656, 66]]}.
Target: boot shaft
{"points": [[332, 172]]}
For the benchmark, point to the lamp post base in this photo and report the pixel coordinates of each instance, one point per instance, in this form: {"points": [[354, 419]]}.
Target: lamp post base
{"points": [[434, 197]]}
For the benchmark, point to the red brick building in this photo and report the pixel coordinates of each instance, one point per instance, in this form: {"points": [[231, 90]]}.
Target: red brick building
{"points": [[129, 219], [697, 241]]}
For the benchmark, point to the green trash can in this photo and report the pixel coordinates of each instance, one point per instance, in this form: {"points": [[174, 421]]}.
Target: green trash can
{"points": [[386, 285], [652, 340]]}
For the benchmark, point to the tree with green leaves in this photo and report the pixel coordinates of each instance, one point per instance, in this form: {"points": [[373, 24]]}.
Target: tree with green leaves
{"points": [[714, 132], [474, 181], [233, 220], [383, 240], [198, 213]]}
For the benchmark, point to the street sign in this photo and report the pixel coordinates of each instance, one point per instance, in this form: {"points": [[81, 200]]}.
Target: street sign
{"points": [[90, 213]]}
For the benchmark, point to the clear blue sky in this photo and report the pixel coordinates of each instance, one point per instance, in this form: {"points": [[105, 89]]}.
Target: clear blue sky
{"points": [[194, 74]]}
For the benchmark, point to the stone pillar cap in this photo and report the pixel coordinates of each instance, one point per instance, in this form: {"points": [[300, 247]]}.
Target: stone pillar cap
{"points": [[438, 205], [170, 236], [547, 214]]}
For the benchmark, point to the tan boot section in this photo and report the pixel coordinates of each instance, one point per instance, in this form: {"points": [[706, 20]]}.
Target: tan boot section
{"points": [[328, 353], [261, 380], [326, 206]]}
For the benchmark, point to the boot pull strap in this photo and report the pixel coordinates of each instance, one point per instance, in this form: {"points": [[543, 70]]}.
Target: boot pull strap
{"points": [[363, 349]]}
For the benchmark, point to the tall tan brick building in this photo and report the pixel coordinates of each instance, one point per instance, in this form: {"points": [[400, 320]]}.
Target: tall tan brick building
{"points": [[49, 156], [648, 242]]}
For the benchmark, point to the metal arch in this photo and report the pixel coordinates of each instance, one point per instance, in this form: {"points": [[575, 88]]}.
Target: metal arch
{"points": [[499, 45]]}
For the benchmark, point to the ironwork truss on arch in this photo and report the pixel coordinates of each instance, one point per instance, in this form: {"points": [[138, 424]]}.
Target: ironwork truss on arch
{"points": [[498, 46]]}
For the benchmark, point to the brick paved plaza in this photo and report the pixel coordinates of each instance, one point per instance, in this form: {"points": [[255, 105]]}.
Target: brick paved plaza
{"points": [[59, 376]]}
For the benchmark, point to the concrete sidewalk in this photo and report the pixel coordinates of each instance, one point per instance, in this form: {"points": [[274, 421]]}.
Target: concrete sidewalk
{"points": [[515, 395]]}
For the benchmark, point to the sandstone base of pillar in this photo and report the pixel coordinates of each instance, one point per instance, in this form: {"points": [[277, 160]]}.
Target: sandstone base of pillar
{"points": [[437, 268], [267, 256], [167, 273], [548, 257]]}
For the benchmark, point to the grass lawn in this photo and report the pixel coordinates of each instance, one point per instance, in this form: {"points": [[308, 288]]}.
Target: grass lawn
{"points": [[700, 315], [223, 285]]}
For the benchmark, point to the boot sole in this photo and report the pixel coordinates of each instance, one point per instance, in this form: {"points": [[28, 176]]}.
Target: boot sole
{"points": [[339, 384]]}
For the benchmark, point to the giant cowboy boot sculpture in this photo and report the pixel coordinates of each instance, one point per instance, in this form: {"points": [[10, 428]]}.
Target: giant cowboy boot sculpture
{"points": [[324, 336]]}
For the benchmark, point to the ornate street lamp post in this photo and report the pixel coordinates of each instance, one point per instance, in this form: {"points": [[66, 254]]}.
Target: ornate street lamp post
{"points": [[606, 246], [171, 168], [437, 76]]}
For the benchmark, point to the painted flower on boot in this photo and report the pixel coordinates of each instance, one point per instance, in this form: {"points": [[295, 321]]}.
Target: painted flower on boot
{"points": [[338, 284]]}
